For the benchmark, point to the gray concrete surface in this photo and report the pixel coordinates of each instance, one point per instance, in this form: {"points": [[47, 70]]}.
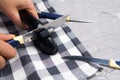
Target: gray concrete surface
{"points": [[102, 37]]}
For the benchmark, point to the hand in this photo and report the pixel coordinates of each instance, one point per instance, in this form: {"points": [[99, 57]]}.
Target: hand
{"points": [[11, 9], [6, 50]]}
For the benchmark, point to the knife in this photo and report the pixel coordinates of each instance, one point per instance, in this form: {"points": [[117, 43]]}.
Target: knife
{"points": [[40, 35], [55, 16], [110, 63]]}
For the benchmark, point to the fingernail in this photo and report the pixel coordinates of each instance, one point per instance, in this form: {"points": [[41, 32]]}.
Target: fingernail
{"points": [[12, 35]]}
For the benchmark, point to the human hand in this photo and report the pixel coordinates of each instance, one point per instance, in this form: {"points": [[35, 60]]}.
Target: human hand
{"points": [[11, 9], [6, 50]]}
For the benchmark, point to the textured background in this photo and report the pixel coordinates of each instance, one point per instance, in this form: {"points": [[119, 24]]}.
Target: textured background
{"points": [[102, 37]]}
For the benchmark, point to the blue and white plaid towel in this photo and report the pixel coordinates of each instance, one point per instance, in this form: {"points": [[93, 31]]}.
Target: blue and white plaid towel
{"points": [[31, 64]]}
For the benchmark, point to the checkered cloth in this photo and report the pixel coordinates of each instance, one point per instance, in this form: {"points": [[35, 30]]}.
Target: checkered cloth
{"points": [[32, 64]]}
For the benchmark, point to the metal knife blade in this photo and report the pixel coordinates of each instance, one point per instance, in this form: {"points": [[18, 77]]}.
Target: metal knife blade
{"points": [[26, 38], [56, 23], [105, 62]]}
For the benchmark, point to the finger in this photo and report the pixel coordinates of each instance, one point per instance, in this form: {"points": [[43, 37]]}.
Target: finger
{"points": [[7, 50], [6, 37], [2, 62], [33, 12], [29, 6], [15, 17]]}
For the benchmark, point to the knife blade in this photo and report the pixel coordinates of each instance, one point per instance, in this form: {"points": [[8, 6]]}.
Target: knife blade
{"points": [[110, 63], [27, 37]]}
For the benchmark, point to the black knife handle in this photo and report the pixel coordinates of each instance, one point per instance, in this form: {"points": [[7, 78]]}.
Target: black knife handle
{"points": [[28, 19]]}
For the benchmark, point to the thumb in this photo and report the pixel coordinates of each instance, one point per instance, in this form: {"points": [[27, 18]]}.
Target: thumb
{"points": [[6, 50], [6, 37]]}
